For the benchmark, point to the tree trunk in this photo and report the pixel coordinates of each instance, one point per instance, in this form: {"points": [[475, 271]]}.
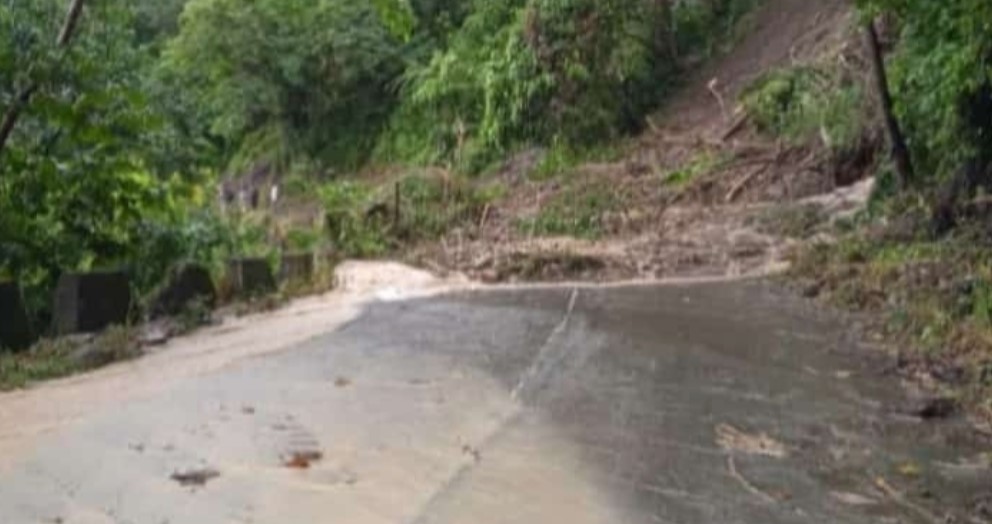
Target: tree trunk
{"points": [[13, 113], [665, 42], [900, 152]]}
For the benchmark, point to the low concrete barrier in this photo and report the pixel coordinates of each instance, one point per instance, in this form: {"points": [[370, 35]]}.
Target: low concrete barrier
{"points": [[186, 285], [91, 302], [250, 277], [15, 326], [297, 268]]}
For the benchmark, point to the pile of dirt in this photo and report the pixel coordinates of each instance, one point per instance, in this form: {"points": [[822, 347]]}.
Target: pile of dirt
{"points": [[713, 224]]}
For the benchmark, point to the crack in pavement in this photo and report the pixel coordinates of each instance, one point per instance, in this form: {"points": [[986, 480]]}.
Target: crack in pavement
{"points": [[545, 359]]}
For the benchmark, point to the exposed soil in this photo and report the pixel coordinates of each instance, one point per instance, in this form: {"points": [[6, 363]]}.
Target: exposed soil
{"points": [[716, 224]]}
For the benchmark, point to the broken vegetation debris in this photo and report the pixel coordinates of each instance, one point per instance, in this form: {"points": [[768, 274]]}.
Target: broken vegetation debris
{"points": [[302, 459], [195, 477]]}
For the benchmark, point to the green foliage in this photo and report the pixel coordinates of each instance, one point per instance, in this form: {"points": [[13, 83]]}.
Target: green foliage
{"points": [[431, 206], [157, 20], [944, 59], [300, 239], [562, 157], [278, 79], [699, 165], [185, 236], [74, 185], [547, 72], [531, 71], [578, 211], [351, 228], [398, 16], [804, 103], [361, 221], [710, 27]]}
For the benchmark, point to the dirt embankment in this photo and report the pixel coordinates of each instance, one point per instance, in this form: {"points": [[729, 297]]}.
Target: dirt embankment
{"points": [[699, 194]]}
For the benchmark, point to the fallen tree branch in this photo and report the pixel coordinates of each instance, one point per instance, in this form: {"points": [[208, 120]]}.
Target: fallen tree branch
{"points": [[741, 184], [698, 141], [732, 469], [485, 217], [737, 126], [901, 500]]}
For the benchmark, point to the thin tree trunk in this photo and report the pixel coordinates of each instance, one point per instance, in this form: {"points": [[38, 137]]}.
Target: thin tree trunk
{"points": [[14, 112], [23, 98], [900, 152], [665, 42], [71, 21], [976, 113]]}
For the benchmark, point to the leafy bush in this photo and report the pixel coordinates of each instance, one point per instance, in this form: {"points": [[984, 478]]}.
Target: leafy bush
{"points": [[806, 103], [349, 225], [697, 166], [433, 205], [941, 74], [301, 239], [710, 27], [532, 71]]}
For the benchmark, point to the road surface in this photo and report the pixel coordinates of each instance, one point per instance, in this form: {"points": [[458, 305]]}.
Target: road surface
{"points": [[705, 403]]}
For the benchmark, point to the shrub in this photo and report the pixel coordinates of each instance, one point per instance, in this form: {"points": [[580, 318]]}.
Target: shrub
{"points": [[807, 103]]}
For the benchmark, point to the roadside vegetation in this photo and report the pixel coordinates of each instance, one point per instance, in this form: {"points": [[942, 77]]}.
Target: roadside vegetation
{"points": [[918, 257]]}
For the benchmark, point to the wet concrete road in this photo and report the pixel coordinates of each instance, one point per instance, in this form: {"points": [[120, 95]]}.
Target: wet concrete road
{"points": [[713, 403]]}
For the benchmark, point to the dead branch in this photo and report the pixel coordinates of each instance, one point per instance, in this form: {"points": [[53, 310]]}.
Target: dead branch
{"points": [[485, 217], [698, 141], [741, 184], [738, 124], [714, 88], [901, 500], [751, 488]]}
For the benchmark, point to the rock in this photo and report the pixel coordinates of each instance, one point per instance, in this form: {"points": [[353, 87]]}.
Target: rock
{"points": [[489, 276], [250, 277], [156, 334], [813, 289], [91, 302], [187, 285], [15, 326], [297, 268], [932, 408], [982, 507]]}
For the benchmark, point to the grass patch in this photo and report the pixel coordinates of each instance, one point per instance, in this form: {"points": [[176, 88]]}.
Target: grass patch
{"points": [[578, 211], [432, 206], [57, 358], [932, 297], [700, 164], [561, 158]]}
